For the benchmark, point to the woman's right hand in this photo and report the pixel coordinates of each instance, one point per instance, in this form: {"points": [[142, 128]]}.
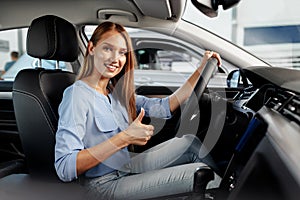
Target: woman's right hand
{"points": [[138, 133]]}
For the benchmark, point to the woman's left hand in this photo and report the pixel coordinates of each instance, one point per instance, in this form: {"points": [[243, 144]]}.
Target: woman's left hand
{"points": [[211, 54], [185, 91]]}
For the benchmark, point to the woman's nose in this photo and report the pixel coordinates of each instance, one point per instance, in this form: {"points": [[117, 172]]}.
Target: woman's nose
{"points": [[114, 56]]}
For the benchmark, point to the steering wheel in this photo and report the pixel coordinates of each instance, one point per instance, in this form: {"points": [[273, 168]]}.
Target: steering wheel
{"points": [[187, 123]]}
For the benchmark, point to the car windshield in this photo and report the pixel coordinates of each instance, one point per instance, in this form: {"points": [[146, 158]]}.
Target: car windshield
{"points": [[271, 34]]}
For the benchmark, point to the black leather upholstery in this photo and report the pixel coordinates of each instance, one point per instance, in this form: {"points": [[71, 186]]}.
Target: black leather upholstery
{"points": [[11, 167], [201, 178], [46, 86], [53, 38], [36, 96], [37, 93]]}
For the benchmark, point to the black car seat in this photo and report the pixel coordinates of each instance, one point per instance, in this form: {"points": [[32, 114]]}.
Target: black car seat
{"points": [[38, 92]]}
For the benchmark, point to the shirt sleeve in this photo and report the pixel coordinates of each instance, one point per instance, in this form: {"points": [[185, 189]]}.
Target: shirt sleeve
{"points": [[154, 107], [70, 133]]}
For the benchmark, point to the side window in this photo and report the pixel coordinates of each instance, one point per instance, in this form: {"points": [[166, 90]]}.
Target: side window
{"points": [[166, 60], [13, 56]]}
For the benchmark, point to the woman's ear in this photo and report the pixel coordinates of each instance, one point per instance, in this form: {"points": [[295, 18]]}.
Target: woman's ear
{"points": [[90, 48]]}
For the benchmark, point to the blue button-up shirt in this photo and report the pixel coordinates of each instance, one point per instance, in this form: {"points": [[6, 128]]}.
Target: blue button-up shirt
{"points": [[87, 118]]}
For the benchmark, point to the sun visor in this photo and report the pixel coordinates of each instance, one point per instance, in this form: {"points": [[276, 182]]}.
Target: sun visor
{"points": [[105, 14], [162, 9]]}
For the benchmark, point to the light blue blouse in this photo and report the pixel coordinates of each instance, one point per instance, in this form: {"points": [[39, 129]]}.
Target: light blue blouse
{"points": [[87, 118]]}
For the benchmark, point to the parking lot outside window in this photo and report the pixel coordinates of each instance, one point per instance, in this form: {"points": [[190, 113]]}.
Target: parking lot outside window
{"points": [[14, 40]]}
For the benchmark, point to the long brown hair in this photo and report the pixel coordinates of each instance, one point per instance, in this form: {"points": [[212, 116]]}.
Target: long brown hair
{"points": [[123, 83]]}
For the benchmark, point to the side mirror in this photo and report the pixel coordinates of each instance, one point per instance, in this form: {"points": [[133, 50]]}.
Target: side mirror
{"points": [[236, 79], [233, 79], [210, 7]]}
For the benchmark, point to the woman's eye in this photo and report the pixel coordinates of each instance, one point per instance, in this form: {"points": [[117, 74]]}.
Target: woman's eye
{"points": [[122, 53], [107, 49]]}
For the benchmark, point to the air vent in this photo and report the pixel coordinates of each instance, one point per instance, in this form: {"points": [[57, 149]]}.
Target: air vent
{"points": [[291, 110], [278, 101]]}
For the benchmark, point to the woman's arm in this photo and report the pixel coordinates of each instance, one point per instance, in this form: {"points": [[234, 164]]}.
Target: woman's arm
{"points": [[137, 133], [71, 157], [154, 107], [185, 91], [88, 158]]}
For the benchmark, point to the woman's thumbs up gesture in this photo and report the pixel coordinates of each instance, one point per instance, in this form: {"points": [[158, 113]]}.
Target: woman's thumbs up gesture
{"points": [[138, 133]]}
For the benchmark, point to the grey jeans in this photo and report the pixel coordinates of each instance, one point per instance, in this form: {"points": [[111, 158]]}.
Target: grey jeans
{"points": [[165, 169]]}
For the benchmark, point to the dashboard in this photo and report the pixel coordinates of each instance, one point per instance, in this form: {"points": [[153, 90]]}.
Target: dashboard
{"points": [[265, 163]]}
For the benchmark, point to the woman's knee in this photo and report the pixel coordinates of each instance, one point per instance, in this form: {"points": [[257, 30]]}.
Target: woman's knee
{"points": [[189, 138], [190, 142]]}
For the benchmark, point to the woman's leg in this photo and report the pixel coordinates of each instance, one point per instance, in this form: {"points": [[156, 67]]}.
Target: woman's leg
{"points": [[176, 151], [160, 171], [156, 183]]}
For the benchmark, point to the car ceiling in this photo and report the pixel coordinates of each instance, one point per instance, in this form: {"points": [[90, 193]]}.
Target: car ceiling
{"points": [[19, 13]]}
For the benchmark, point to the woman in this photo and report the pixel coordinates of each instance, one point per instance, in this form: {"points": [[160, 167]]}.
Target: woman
{"points": [[98, 120]]}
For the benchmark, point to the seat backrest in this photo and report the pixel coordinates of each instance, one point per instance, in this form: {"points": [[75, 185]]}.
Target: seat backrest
{"points": [[38, 92]]}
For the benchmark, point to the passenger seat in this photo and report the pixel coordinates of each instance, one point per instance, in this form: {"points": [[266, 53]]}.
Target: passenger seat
{"points": [[37, 94]]}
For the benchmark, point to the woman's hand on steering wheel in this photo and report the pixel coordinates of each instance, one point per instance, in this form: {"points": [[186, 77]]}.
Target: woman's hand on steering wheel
{"points": [[211, 54]]}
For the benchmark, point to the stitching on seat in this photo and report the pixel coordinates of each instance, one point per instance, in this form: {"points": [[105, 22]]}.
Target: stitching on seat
{"points": [[40, 106], [40, 78], [48, 39], [55, 38]]}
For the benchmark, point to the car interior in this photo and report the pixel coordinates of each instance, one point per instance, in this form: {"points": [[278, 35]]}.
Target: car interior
{"points": [[251, 126]]}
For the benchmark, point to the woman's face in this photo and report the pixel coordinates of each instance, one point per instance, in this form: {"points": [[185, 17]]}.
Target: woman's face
{"points": [[109, 54]]}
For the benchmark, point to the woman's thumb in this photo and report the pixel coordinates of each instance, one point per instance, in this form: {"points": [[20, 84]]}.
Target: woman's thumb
{"points": [[141, 115]]}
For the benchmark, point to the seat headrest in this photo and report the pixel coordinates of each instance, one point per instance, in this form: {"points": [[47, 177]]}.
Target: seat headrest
{"points": [[52, 38]]}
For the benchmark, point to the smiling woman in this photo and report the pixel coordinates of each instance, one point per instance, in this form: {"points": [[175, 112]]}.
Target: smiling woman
{"points": [[98, 142], [149, 137]]}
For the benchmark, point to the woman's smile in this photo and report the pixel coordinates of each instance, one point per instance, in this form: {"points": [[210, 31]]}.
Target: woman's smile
{"points": [[111, 67]]}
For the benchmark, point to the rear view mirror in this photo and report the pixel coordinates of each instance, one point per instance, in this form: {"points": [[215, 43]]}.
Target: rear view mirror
{"points": [[227, 3], [210, 7]]}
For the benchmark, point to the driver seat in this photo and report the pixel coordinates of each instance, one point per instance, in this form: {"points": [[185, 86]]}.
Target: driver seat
{"points": [[37, 94]]}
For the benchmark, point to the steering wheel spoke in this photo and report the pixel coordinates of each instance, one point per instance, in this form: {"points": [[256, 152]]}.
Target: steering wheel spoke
{"points": [[191, 111]]}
